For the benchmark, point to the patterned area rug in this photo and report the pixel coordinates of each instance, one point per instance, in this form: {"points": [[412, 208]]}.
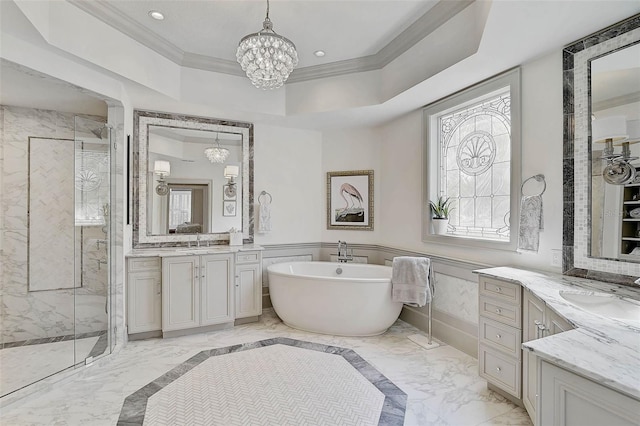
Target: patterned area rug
{"points": [[271, 382]]}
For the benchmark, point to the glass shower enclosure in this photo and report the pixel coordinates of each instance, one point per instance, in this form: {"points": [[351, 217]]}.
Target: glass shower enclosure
{"points": [[57, 311]]}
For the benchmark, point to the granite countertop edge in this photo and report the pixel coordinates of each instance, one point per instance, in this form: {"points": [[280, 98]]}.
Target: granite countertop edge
{"points": [[603, 349]]}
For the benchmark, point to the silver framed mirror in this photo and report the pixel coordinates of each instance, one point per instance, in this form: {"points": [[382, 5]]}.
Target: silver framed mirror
{"points": [[192, 179], [583, 163]]}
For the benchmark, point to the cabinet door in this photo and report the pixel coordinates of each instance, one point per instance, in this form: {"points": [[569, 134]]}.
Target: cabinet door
{"points": [[216, 284], [248, 291], [532, 312], [144, 301], [555, 323], [568, 399], [180, 293]]}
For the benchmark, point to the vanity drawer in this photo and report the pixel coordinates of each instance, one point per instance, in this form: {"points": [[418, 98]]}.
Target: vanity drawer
{"points": [[503, 290], [144, 264], [500, 370], [500, 311], [250, 257], [501, 336]]}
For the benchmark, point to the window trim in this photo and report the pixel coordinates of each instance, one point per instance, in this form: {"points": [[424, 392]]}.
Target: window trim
{"points": [[430, 163]]}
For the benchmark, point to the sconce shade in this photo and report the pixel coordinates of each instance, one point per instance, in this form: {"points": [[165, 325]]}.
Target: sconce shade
{"points": [[231, 171], [614, 128], [162, 168]]}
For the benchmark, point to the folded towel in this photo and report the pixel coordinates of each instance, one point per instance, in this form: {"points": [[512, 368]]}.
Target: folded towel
{"points": [[410, 280], [264, 219], [530, 222]]}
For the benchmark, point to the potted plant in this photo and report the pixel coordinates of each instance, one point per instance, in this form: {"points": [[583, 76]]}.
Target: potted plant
{"points": [[441, 210]]}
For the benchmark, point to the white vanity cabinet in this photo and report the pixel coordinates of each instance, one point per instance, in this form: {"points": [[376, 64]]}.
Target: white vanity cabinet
{"points": [[196, 291], [538, 321], [144, 295], [570, 399], [499, 352], [248, 284]]}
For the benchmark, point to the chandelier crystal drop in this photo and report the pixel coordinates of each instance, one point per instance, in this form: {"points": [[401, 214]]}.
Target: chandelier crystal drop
{"points": [[217, 154], [266, 57]]}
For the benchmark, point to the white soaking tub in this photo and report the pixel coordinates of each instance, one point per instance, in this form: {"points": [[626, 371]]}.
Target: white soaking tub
{"points": [[342, 299]]}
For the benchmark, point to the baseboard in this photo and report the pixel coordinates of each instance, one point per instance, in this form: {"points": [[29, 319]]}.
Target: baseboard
{"points": [[461, 337], [145, 335], [196, 330], [246, 320]]}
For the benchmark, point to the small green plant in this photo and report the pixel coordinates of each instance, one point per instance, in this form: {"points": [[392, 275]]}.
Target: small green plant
{"points": [[441, 208]]}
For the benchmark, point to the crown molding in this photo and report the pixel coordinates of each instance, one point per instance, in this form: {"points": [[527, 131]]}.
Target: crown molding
{"points": [[628, 98], [440, 13], [129, 27], [435, 17], [209, 63]]}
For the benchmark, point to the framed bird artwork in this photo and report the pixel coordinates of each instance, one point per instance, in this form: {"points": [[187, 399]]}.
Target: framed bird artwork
{"points": [[350, 200]]}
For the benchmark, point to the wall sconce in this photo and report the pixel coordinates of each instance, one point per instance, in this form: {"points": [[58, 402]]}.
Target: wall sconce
{"points": [[610, 131], [231, 172], [163, 170]]}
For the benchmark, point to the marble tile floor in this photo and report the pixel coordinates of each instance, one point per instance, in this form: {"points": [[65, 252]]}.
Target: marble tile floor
{"points": [[25, 364], [442, 384]]}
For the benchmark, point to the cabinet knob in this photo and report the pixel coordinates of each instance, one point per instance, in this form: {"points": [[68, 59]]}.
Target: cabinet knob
{"points": [[202, 276], [498, 336], [499, 290], [498, 311], [498, 369]]}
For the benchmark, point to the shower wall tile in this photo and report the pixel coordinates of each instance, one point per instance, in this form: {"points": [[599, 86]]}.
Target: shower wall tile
{"points": [[27, 315]]}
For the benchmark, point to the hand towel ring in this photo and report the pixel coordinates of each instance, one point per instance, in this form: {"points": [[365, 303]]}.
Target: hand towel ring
{"points": [[263, 196], [538, 178]]}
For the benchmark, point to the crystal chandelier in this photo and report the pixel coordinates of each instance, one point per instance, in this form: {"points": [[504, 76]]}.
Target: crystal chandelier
{"points": [[216, 154], [266, 57]]}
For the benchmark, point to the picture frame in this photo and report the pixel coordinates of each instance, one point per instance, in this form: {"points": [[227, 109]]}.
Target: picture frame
{"points": [[350, 200], [229, 192], [229, 208]]}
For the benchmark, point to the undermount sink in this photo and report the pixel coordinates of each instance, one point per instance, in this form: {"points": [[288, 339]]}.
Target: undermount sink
{"points": [[605, 305]]}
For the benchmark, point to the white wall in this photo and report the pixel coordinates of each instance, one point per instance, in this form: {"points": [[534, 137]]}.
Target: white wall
{"points": [[288, 165], [355, 149], [401, 158]]}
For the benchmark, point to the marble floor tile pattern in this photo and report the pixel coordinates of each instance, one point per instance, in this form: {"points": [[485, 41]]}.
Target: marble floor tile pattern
{"points": [[25, 364], [272, 385], [442, 384]]}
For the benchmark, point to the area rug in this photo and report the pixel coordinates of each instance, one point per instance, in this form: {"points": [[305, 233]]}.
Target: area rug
{"points": [[277, 381]]}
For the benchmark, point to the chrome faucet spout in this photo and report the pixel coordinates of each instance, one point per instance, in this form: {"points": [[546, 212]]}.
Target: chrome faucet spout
{"points": [[343, 252]]}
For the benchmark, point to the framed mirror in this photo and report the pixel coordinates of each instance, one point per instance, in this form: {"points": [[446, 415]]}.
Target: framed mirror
{"points": [[601, 84], [192, 179]]}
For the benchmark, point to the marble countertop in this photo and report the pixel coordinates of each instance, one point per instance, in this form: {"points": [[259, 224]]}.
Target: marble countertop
{"points": [[190, 251], [603, 349]]}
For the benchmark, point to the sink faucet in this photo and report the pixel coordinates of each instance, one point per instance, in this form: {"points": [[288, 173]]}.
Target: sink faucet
{"points": [[198, 240], [343, 252]]}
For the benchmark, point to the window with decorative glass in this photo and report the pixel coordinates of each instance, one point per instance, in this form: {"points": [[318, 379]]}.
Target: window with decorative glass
{"points": [[473, 151]]}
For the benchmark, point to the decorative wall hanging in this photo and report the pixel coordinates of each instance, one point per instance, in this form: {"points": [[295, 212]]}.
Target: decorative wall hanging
{"points": [[350, 200]]}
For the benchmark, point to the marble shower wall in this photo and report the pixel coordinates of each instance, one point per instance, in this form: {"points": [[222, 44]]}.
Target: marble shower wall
{"points": [[27, 315]]}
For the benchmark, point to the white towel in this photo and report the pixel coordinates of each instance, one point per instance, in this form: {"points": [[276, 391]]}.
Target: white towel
{"points": [[530, 222], [410, 280], [264, 218]]}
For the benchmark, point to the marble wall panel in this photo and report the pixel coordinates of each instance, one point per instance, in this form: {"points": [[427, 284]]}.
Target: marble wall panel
{"points": [[26, 315]]}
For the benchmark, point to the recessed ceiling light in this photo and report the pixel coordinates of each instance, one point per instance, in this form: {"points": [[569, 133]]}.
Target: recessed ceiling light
{"points": [[158, 16], [319, 53]]}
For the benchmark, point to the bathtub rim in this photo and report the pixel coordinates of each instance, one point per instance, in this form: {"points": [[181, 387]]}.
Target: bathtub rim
{"points": [[272, 269]]}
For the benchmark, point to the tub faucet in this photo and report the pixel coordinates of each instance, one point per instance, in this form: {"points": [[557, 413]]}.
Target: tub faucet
{"points": [[343, 252]]}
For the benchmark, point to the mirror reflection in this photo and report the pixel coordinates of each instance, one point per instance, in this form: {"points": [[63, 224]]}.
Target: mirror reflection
{"points": [[192, 179], [196, 180], [615, 177]]}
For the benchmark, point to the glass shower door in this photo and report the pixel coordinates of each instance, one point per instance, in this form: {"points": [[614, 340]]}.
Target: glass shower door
{"points": [[92, 239]]}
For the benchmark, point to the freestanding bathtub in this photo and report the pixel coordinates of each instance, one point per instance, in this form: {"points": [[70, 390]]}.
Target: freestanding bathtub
{"points": [[343, 299]]}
